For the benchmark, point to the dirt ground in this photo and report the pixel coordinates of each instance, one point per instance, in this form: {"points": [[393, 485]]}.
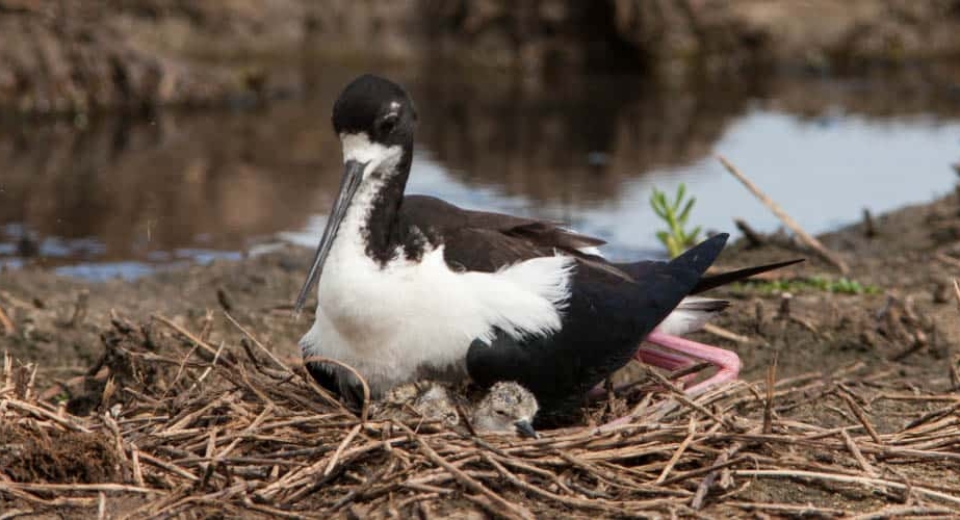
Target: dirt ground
{"points": [[900, 322]]}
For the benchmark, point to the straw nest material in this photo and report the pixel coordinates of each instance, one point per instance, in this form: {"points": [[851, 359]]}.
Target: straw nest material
{"points": [[171, 425]]}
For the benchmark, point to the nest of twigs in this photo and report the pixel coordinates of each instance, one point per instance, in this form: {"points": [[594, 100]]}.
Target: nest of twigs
{"points": [[180, 427]]}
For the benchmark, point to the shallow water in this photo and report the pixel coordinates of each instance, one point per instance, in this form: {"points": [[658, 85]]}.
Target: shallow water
{"points": [[113, 197]]}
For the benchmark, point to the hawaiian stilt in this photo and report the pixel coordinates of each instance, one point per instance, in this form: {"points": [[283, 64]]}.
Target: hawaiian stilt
{"points": [[416, 288]]}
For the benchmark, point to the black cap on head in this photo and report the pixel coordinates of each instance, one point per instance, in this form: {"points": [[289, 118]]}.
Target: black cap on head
{"points": [[377, 107]]}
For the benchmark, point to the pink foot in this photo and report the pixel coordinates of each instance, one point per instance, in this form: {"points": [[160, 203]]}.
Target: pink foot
{"points": [[727, 362], [659, 358], [684, 354], [666, 360]]}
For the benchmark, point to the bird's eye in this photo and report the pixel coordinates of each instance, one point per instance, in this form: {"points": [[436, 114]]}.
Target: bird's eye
{"points": [[387, 123], [501, 412]]}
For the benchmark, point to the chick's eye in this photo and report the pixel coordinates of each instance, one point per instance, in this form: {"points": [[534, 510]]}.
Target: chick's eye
{"points": [[501, 412], [387, 123]]}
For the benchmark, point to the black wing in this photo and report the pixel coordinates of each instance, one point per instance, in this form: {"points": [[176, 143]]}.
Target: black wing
{"points": [[605, 320], [486, 242]]}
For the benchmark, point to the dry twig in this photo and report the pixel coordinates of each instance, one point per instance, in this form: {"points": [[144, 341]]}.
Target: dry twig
{"points": [[956, 291], [787, 220], [6, 323]]}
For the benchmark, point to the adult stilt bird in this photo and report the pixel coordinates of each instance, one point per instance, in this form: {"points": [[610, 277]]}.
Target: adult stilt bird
{"points": [[412, 287]]}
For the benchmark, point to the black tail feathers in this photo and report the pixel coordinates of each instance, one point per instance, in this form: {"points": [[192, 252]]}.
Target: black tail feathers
{"points": [[709, 282]]}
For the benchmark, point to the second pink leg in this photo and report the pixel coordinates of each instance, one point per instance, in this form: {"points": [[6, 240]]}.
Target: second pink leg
{"points": [[728, 363], [666, 360]]}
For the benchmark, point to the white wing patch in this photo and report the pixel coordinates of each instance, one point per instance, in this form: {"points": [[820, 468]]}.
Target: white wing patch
{"points": [[524, 297], [691, 315]]}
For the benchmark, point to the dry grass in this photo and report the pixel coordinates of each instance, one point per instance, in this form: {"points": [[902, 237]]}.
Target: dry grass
{"points": [[195, 428]]}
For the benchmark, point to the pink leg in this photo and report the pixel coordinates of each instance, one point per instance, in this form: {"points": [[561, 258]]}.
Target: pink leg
{"points": [[659, 358], [727, 362], [666, 360]]}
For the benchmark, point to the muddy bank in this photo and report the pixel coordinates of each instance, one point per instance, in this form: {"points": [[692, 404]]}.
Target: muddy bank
{"points": [[820, 34], [76, 56], [73, 56]]}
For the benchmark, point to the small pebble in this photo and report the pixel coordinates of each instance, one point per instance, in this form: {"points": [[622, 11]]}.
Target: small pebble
{"points": [[941, 293]]}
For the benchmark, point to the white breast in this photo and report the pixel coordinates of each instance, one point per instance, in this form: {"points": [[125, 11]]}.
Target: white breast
{"points": [[390, 322]]}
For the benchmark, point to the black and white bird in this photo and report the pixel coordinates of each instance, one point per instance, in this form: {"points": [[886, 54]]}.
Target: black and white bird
{"points": [[411, 287]]}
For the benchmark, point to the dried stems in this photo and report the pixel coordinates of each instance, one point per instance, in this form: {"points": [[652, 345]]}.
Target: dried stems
{"points": [[200, 429], [6, 324], [956, 291]]}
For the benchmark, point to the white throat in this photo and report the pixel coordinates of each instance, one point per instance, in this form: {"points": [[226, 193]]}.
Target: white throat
{"points": [[381, 162], [358, 147]]}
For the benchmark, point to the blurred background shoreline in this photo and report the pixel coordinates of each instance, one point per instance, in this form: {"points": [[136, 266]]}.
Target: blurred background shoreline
{"points": [[77, 55]]}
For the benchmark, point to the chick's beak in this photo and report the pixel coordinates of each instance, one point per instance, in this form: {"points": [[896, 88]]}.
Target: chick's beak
{"points": [[525, 429]]}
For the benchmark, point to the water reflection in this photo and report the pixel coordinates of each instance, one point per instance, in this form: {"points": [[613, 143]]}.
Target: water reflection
{"points": [[121, 197], [575, 144], [121, 190]]}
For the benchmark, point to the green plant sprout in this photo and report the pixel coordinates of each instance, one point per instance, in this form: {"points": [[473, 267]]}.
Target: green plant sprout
{"points": [[816, 283], [675, 238]]}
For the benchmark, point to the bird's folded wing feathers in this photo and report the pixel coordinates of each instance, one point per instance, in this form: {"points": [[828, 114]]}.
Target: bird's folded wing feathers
{"points": [[483, 241]]}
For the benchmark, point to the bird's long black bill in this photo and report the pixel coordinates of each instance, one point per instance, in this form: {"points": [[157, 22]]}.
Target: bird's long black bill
{"points": [[352, 175]]}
